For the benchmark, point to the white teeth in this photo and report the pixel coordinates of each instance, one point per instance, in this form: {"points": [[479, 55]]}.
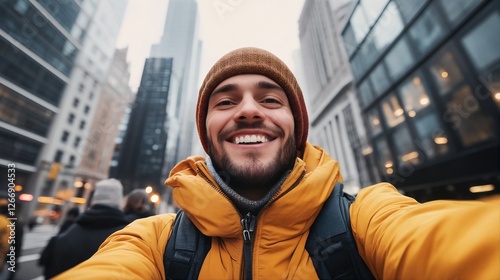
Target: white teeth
{"points": [[249, 139]]}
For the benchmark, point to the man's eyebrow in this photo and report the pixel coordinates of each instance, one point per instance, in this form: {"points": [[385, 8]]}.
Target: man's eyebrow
{"points": [[225, 88], [268, 85]]}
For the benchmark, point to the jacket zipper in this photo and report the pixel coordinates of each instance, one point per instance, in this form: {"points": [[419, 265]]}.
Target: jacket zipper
{"points": [[248, 222]]}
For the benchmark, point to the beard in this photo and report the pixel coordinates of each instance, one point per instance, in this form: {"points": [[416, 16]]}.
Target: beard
{"points": [[252, 173]]}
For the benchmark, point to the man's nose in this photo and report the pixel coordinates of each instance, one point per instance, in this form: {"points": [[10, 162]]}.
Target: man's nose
{"points": [[249, 110]]}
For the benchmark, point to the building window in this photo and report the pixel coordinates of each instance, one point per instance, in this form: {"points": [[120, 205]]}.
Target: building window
{"points": [[403, 142], [72, 161], [21, 7], [399, 59], [482, 42], [456, 10], [368, 51], [374, 122], [76, 101], [64, 136], [432, 139], [71, 118], [386, 160], [82, 124], [87, 109], [387, 27], [359, 23], [77, 142], [446, 72], [464, 112], [482, 46], [349, 40], [379, 79], [414, 96], [58, 156], [365, 93], [426, 31], [81, 88], [409, 8], [393, 112], [373, 9], [358, 66]]}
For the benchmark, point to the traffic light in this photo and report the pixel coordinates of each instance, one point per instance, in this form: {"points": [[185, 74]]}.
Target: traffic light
{"points": [[54, 170]]}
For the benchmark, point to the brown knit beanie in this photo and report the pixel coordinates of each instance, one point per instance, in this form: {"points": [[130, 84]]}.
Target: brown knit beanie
{"points": [[253, 61]]}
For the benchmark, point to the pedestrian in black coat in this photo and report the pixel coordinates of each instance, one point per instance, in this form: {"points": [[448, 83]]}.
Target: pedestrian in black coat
{"points": [[71, 216], [82, 239], [137, 205]]}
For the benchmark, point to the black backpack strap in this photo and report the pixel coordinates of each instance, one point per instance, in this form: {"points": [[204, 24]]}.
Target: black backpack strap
{"points": [[186, 249], [331, 244]]}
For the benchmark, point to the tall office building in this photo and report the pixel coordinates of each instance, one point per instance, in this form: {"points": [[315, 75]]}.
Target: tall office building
{"points": [[428, 74], [143, 148], [115, 98], [180, 42], [53, 55], [335, 118]]}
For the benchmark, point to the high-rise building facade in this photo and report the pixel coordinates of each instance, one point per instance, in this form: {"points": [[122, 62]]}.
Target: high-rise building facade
{"points": [[53, 57], [428, 76], [142, 152], [115, 98], [335, 118], [37, 55], [180, 42]]}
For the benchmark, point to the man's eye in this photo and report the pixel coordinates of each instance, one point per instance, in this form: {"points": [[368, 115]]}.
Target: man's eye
{"points": [[271, 100], [224, 103]]}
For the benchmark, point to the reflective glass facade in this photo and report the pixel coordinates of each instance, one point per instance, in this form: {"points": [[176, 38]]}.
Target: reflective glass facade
{"points": [[24, 113], [25, 72], [143, 149], [36, 59], [28, 26], [428, 77]]}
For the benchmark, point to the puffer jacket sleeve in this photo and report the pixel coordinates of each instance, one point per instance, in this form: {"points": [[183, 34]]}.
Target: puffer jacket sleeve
{"points": [[135, 252], [400, 238]]}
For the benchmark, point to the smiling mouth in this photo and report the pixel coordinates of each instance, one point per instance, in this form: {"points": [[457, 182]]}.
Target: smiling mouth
{"points": [[250, 139]]}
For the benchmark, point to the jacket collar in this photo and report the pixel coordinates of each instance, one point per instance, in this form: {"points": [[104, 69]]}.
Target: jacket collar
{"points": [[290, 212]]}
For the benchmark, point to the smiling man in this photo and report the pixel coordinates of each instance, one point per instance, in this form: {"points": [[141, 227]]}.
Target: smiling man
{"points": [[257, 194], [250, 133]]}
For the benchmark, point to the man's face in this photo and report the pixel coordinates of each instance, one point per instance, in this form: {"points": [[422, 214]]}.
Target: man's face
{"points": [[250, 129]]}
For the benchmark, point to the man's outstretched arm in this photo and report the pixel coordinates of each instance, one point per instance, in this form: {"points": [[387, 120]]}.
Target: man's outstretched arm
{"points": [[400, 238], [135, 252]]}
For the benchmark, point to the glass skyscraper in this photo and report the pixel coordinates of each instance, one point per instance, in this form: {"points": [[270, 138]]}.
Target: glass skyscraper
{"points": [[428, 78]]}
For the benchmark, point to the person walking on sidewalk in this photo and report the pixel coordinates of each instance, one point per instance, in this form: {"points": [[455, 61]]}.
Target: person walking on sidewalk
{"points": [[82, 239]]}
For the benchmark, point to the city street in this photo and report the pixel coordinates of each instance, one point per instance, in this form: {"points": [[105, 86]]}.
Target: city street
{"points": [[34, 242]]}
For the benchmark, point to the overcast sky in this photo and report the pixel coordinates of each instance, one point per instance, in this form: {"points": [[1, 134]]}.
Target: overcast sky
{"points": [[224, 26]]}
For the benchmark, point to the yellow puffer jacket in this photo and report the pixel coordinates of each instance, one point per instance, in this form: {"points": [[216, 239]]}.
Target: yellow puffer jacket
{"points": [[396, 236]]}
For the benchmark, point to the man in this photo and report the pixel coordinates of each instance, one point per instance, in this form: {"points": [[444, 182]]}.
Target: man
{"points": [[82, 239], [253, 124]]}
